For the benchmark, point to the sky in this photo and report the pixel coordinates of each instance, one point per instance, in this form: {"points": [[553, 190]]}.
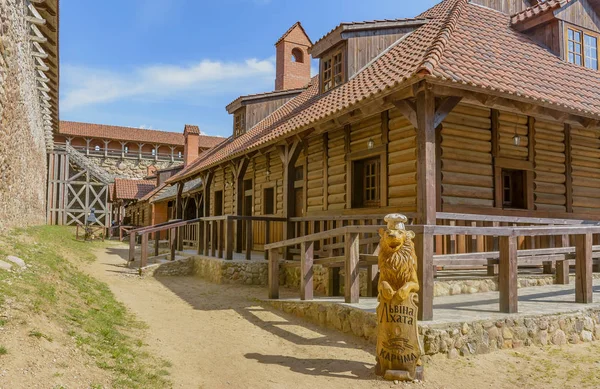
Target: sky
{"points": [[161, 64]]}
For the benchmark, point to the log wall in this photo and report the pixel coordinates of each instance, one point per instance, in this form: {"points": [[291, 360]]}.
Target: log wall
{"points": [[402, 163]]}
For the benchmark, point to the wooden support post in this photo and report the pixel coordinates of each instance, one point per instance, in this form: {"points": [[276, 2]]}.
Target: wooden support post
{"points": [[156, 243], [179, 213], [583, 269], [132, 246], [229, 234], [173, 242], [547, 267], [249, 240], [306, 270], [492, 269], [206, 238], [201, 237], [352, 253], [144, 251], [267, 235], [220, 238], [274, 273], [333, 281], [426, 194], [507, 278], [372, 277], [562, 272], [424, 250], [213, 241]]}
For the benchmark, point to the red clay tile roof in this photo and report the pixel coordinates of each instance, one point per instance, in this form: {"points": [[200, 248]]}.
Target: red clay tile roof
{"points": [[153, 192], [464, 45], [131, 134], [537, 9], [126, 189]]}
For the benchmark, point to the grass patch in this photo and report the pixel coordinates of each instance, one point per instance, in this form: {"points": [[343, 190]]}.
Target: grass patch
{"points": [[3, 350], [83, 306]]}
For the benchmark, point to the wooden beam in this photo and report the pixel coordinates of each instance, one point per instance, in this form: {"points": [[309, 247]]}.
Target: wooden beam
{"points": [[409, 110], [445, 106]]}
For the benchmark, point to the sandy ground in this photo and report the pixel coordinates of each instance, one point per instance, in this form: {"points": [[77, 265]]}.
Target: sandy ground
{"points": [[219, 336]]}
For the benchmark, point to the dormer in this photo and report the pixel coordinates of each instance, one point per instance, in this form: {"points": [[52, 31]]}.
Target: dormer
{"points": [[247, 111], [292, 78], [570, 29], [349, 47]]}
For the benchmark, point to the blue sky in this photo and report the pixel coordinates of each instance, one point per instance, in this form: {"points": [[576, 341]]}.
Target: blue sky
{"points": [[163, 63]]}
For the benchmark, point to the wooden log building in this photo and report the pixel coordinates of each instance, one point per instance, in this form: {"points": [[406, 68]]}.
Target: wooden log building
{"points": [[473, 114]]}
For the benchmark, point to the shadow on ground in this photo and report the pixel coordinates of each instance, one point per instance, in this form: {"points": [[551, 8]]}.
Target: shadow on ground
{"points": [[319, 367]]}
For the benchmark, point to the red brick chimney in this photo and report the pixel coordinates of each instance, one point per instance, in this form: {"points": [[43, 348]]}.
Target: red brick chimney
{"points": [[192, 135], [293, 60]]}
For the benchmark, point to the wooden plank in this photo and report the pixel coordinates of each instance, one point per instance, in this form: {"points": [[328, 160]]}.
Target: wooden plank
{"points": [[250, 240], [583, 269], [274, 273], [352, 253], [307, 250], [507, 278]]}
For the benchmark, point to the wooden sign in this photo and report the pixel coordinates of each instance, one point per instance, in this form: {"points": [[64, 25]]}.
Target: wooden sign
{"points": [[398, 347]]}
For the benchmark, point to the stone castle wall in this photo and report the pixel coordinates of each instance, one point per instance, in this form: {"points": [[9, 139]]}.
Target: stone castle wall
{"points": [[22, 143], [130, 168]]}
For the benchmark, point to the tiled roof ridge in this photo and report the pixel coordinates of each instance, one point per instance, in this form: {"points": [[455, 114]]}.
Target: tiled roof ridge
{"points": [[535, 10], [436, 50], [116, 126]]}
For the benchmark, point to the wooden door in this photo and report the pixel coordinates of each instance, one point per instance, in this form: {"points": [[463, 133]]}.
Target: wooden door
{"points": [[299, 202]]}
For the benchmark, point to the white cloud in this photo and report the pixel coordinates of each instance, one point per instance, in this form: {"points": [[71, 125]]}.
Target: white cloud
{"points": [[83, 86]]}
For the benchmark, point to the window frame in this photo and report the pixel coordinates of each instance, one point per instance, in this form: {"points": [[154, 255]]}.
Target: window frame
{"points": [[365, 187], [329, 58], [273, 203], [583, 34], [239, 124]]}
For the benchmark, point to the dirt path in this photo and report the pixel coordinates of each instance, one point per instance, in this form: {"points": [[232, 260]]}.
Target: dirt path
{"points": [[217, 336]]}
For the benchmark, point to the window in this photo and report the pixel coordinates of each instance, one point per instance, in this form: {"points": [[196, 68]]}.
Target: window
{"points": [[269, 201], [513, 189], [297, 55], [366, 183], [332, 71], [179, 154], [126, 149], [96, 148], [238, 124], [582, 48], [153, 152]]}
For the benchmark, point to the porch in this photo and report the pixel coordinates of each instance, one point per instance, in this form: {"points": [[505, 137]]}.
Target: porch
{"points": [[460, 245]]}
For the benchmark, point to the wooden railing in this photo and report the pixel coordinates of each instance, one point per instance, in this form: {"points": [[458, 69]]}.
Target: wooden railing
{"points": [[506, 259], [214, 236]]}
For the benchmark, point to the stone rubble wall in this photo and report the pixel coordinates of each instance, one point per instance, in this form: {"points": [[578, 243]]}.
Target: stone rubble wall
{"points": [[22, 141], [460, 339], [130, 168]]}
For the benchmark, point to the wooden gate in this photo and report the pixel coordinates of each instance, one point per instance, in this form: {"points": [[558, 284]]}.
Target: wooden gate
{"points": [[75, 186]]}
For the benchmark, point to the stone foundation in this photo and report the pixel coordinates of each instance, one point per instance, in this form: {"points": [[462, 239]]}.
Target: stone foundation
{"points": [[477, 337]]}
